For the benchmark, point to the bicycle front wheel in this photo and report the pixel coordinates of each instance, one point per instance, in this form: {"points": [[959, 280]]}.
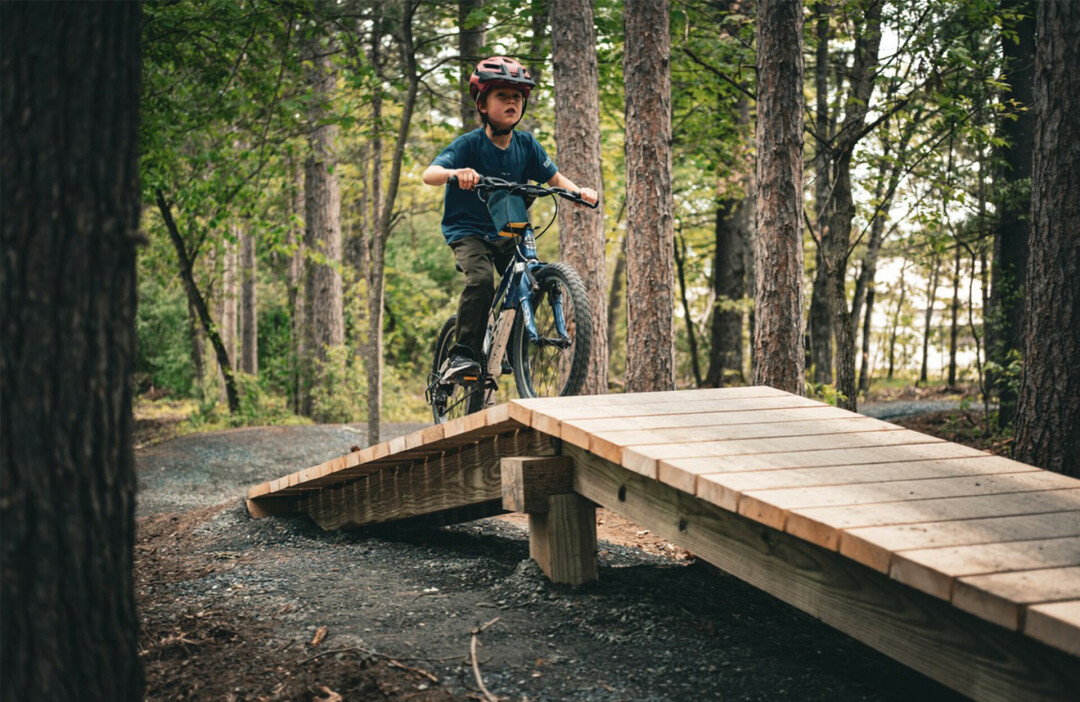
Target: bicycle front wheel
{"points": [[453, 400], [553, 364]]}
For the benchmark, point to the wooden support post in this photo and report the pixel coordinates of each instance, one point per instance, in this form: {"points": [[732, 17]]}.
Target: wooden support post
{"points": [[562, 524]]}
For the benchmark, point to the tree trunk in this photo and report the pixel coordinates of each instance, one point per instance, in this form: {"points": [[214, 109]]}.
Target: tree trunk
{"points": [[69, 107], [954, 324], [650, 289], [931, 298], [820, 323], [249, 318], [778, 354], [195, 336], [228, 309], [1048, 407], [615, 296], [838, 243], [470, 41], [896, 322], [376, 292], [1005, 323], [729, 287], [374, 270], [196, 300], [294, 284], [577, 124], [323, 315], [864, 370], [691, 335], [819, 327]]}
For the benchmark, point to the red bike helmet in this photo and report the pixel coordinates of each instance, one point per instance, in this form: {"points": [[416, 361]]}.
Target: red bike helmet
{"points": [[500, 72]]}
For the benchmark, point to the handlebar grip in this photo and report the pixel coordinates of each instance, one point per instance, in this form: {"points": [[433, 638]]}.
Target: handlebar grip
{"points": [[452, 180]]}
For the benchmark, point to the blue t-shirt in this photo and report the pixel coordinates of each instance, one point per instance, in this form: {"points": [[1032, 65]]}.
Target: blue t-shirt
{"points": [[464, 213]]}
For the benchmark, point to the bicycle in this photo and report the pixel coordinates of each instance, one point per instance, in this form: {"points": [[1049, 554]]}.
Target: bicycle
{"points": [[540, 318]]}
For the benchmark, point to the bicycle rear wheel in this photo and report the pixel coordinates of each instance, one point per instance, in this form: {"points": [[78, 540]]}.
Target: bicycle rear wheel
{"points": [[553, 366], [450, 401]]}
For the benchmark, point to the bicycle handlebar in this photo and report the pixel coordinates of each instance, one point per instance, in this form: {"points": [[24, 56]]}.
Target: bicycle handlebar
{"points": [[491, 184]]}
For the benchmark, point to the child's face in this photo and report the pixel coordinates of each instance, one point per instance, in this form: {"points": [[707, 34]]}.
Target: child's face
{"points": [[503, 107]]}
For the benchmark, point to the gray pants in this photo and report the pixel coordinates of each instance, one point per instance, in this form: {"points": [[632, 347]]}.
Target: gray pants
{"points": [[478, 259]]}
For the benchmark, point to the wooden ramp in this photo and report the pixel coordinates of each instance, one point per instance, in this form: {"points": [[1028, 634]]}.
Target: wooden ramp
{"points": [[962, 565]]}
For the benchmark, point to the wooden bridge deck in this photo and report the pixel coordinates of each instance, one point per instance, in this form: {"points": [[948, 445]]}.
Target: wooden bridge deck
{"points": [[949, 559]]}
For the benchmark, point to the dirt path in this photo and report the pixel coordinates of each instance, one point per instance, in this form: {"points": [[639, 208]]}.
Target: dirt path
{"points": [[232, 605]]}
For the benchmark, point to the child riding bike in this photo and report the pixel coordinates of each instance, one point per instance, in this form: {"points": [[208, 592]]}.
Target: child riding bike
{"points": [[500, 87]]}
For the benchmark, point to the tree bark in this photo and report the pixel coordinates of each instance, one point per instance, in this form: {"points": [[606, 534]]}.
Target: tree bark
{"points": [[954, 323], [615, 295], [249, 318], [1005, 326], [729, 288], [1048, 417], [470, 41], [323, 315], [896, 321], [838, 242], [778, 253], [931, 298], [228, 304], [819, 327], [577, 138], [691, 335], [376, 284], [196, 300], [864, 369], [294, 284], [650, 289], [69, 108], [373, 271]]}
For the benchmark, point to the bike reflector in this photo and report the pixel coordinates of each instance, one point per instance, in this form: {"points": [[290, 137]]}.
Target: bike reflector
{"points": [[509, 213]]}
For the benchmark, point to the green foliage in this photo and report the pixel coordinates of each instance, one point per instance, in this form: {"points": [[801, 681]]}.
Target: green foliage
{"points": [[164, 339]]}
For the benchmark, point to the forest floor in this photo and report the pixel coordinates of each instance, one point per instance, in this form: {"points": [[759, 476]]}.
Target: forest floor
{"points": [[276, 609]]}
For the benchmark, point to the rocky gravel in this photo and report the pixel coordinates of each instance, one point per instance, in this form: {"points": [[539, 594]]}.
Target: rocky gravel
{"points": [[652, 628]]}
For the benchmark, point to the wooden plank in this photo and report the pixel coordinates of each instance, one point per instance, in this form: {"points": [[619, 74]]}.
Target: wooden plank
{"points": [[562, 539], [683, 473], [471, 475], [874, 546], [645, 459], [610, 444], [544, 404], [871, 473], [666, 421], [571, 410], [772, 506], [528, 482], [822, 525], [934, 570], [1055, 624], [980, 659], [1003, 597]]}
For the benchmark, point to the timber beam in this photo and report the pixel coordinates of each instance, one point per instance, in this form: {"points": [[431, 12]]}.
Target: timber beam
{"points": [[562, 524], [977, 658]]}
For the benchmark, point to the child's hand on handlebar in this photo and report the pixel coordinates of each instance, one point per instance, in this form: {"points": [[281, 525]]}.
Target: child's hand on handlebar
{"points": [[467, 178], [589, 195]]}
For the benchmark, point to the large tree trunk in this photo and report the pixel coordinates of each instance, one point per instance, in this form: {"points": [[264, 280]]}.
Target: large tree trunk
{"points": [[778, 253], [1005, 324], [838, 241], [470, 41], [324, 320], [249, 318], [69, 102], [577, 129], [373, 270], [1048, 416], [650, 288]]}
